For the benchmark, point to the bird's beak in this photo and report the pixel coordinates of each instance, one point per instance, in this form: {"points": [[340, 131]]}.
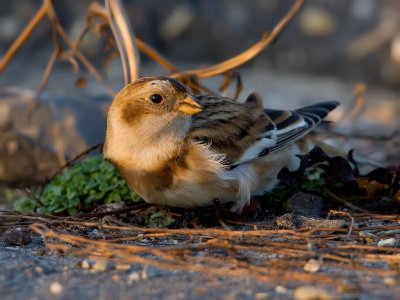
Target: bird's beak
{"points": [[189, 105]]}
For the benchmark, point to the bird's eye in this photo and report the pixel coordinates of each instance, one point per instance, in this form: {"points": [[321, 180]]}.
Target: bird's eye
{"points": [[156, 98]]}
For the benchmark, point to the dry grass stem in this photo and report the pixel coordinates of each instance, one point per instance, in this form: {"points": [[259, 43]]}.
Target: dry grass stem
{"points": [[124, 38], [127, 45], [21, 39], [247, 55], [265, 255]]}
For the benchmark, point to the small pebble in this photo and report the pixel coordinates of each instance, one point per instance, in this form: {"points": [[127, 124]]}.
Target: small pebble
{"points": [[389, 281], [123, 267], [367, 237], [314, 293], [366, 233], [134, 276], [387, 243], [55, 288], [94, 232], [116, 278], [38, 269], [100, 266], [261, 296], [388, 232], [347, 287], [312, 266], [143, 274], [316, 22], [281, 289], [17, 236], [85, 264]]}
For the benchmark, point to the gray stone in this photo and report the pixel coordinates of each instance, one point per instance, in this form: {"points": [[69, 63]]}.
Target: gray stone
{"points": [[304, 204], [35, 142], [17, 236], [308, 292], [291, 221]]}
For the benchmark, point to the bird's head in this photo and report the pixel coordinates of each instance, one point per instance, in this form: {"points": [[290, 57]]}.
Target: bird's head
{"points": [[149, 109], [158, 96]]}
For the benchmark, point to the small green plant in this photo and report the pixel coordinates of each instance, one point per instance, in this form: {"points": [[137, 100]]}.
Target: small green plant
{"points": [[25, 204], [92, 182]]}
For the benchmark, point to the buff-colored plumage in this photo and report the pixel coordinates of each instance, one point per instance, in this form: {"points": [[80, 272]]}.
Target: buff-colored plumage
{"points": [[181, 150]]}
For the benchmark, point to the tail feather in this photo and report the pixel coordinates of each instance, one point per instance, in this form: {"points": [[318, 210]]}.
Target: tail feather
{"points": [[319, 110]]}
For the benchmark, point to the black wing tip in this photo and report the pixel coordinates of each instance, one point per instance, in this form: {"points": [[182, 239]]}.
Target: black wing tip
{"points": [[315, 113], [331, 105], [320, 109], [328, 105]]}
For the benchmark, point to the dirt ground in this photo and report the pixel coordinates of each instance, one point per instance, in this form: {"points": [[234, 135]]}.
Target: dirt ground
{"points": [[31, 272]]}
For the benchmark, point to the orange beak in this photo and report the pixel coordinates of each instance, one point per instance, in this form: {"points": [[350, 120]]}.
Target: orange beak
{"points": [[189, 105]]}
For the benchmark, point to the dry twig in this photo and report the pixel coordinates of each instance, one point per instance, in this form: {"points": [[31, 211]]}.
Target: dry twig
{"points": [[266, 255], [247, 55], [126, 42]]}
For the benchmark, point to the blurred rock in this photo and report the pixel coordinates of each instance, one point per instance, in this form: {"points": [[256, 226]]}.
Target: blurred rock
{"points": [[317, 22], [312, 266], [34, 143], [9, 28], [189, 31], [55, 288], [305, 205], [23, 160], [390, 281], [100, 266], [309, 292], [387, 243], [395, 49], [177, 22], [17, 236], [291, 221]]}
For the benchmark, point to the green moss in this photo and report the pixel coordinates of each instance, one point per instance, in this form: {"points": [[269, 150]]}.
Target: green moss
{"points": [[92, 182]]}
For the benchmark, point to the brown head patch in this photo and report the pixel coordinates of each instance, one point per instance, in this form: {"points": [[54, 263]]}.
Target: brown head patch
{"points": [[132, 112]]}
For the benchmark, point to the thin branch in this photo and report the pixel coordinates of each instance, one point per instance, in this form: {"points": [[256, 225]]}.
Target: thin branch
{"points": [[49, 68], [57, 26], [124, 38], [154, 55], [74, 159], [98, 10], [247, 55], [139, 205], [346, 214], [35, 21], [343, 201]]}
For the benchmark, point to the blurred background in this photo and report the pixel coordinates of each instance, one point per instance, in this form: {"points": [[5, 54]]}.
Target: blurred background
{"points": [[347, 50], [352, 39]]}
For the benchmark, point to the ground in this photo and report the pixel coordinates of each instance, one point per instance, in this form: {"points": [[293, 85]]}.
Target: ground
{"points": [[349, 260]]}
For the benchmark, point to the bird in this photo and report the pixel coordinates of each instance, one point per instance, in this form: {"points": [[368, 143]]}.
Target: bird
{"points": [[178, 149]]}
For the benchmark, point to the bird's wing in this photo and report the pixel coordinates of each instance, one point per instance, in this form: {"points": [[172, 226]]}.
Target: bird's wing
{"points": [[247, 131]]}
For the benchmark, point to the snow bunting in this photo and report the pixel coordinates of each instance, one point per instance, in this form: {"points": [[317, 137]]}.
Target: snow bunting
{"points": [[182, 150]]}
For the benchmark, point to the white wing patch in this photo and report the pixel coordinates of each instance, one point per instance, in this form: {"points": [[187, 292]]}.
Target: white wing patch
{"points": [[291, 127], [270, 140], [253, 151]]}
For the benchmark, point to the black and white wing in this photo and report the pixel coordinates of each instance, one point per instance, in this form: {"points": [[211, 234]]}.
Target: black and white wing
{"points": [[246, 131]]}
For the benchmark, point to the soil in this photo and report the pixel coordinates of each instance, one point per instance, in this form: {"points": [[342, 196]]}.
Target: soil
{"points": [[32, 272]]}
